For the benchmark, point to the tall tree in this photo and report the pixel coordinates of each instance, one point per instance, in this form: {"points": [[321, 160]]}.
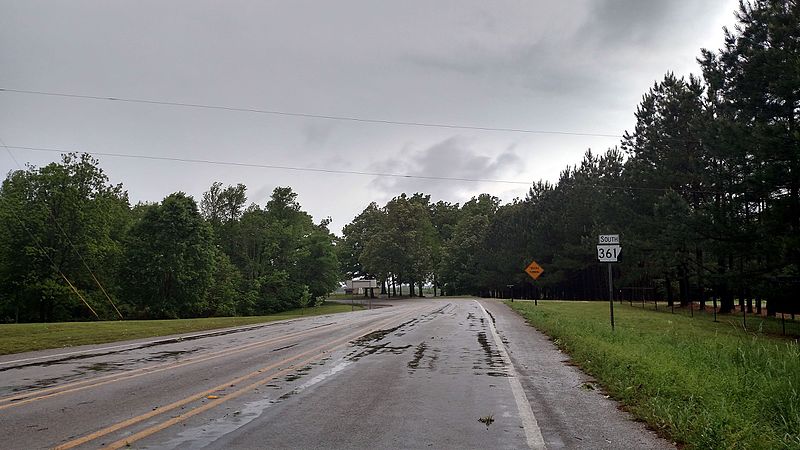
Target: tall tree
{"points": [[223, 205], [170, 256], [64, 218], [754, 87], [355, 237]]}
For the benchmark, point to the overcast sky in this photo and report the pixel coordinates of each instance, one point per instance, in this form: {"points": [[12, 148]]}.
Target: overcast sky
{"points": [[574, 66]]}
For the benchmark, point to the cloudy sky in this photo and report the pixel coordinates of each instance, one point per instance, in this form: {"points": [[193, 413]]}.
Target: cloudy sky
{"points": [[574, 66]]}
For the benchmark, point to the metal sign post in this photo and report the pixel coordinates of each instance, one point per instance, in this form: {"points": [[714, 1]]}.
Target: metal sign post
{"points": [[608, 250], [611, 295], [535, 271]]}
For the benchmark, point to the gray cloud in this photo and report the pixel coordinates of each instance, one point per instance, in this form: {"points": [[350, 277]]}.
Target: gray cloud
{"points": [[455, 157], [317, 133], [580, 65]]}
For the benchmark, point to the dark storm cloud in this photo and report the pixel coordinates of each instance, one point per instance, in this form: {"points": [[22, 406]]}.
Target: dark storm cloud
{"points": [[594, 50], [618, 23], [453, 158]]}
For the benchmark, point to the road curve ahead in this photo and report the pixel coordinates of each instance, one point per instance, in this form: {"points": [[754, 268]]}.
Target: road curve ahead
{"points": [[419, 374]]}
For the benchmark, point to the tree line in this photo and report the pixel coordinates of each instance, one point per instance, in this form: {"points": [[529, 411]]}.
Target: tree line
{"points": [[73, 248], [705, 192]]}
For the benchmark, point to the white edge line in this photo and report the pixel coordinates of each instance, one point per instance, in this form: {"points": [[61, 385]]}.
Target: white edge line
{"points": [[532, 432]]}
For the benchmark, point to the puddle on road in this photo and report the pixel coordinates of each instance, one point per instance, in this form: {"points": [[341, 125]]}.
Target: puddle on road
{"points": [[103, 367], [377, 335], [368, 344], [76, 374], [497, 374], [379, 349], [493, 357], [492, 361], [418, 354], [206, 434], [299, 373], [171, 354]]}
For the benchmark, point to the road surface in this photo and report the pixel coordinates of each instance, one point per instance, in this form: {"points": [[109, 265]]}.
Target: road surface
{"points": [[433, 373]]}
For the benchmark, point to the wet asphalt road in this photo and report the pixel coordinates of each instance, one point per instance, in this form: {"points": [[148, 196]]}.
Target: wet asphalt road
{"points": [[419, 374]]}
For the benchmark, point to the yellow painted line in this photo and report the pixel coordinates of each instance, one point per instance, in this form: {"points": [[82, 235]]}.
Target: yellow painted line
{"points": [[197, 396], [127, 441], [200, 395], [22, 399]]}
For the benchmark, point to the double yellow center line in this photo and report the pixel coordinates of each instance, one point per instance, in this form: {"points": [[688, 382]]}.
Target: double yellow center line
{"points": [[42, 394], [311, 355]]}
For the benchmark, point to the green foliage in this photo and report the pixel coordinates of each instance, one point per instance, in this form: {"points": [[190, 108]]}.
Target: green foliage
{"points": [[160, 260], [703, 384], [460, 267], [705, 192], [220, 206], [58, 219], [397, 242], [355, 236], [169, 259], [279, 254]]}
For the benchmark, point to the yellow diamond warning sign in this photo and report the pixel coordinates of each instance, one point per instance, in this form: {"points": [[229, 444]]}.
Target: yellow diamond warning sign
{"points": [[534, 270]]}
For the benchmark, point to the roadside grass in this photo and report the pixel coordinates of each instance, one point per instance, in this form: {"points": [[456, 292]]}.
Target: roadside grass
{"points": [[699, 383], [24, 337], [755, 323]]}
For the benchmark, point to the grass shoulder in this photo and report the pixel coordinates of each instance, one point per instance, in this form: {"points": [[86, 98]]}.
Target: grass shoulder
{"points": [[700, 383], [24, 337]]}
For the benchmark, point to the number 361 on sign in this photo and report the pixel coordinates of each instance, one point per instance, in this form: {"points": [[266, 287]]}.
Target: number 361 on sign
{"points": [[608, 253]]}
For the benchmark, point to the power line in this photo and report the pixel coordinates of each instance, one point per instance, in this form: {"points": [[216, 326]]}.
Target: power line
{"points": [[276, 167], [309, 115], [348, 172]]}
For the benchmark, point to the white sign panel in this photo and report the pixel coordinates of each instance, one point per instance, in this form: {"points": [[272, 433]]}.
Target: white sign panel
{"points": [[361, 284], [608, 253], [608, 239]]}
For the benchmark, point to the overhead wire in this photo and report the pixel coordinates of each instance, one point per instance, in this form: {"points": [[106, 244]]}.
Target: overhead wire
{"points": [[343, 171], [273, 166], [332, 117], [72, 246], [307, 115], [349, 118]]}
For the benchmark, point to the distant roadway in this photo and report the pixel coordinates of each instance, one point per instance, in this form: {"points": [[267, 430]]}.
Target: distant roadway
{"points": [[428, 373]]}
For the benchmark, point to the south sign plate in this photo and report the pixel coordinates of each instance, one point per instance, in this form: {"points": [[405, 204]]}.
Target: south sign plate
{"points": [[608, 253], [607, 239]]}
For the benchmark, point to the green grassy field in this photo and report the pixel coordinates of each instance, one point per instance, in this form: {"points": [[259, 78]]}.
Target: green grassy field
{"points": [[16, 338], [699, 383], [755, 323]]}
